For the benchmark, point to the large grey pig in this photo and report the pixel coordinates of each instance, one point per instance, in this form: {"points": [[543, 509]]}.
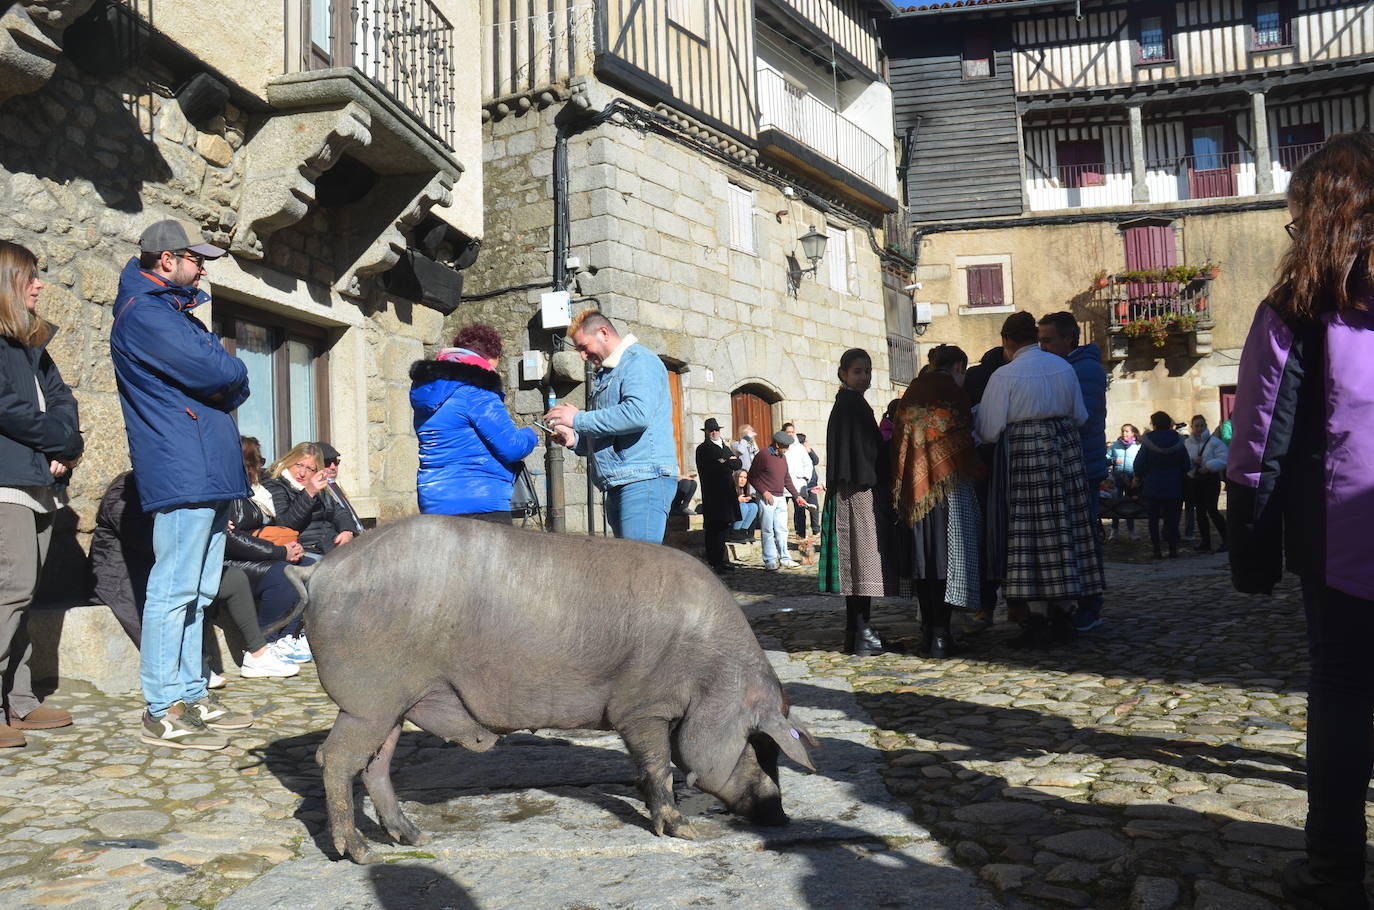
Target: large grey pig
{"points": [[469, 630]]}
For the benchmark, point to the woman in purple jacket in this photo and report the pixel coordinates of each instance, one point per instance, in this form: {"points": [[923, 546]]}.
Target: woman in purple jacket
{"points": [[1302, 487]]}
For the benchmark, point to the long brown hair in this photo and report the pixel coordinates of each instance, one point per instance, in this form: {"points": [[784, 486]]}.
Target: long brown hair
{"points": [[18, 267], [1329, 264]]}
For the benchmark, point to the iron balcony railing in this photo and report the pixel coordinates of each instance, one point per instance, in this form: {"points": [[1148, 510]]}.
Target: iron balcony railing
{"points": [[820, 127], [1290, 156], [1078, 185], [901, 359], [1207, 176], [1165, 300], [405, 47], [548, 47]]}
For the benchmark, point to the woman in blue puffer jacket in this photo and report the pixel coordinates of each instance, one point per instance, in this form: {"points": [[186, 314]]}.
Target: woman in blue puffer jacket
{"points": [[469, 446]]}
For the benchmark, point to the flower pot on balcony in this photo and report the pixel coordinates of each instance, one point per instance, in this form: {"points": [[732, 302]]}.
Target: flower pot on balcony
{"points": [[1123, 310], [1210, 272], [1103, 281]]}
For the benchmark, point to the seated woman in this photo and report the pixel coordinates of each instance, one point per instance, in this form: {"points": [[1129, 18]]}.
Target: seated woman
{"points": [[296, 484], [264, 555], [122, 554], [742, 531], [470, 448]]}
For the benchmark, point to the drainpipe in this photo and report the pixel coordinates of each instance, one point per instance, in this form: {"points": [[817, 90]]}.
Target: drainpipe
{"points": [[568, 123]]}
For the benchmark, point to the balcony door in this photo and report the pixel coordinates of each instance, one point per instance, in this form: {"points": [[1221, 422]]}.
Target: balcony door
{"points": [[1150, 246], [326, 27], [1211, 170]]}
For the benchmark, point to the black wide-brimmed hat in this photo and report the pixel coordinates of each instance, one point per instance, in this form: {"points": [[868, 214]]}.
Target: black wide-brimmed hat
{"points": [[711, 425]]}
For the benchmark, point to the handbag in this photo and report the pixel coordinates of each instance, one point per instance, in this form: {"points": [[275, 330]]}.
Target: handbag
{"points": [[276, 534]]}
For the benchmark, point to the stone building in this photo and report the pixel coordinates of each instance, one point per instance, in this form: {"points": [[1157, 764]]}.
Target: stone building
{"points": [[702, 141], [332, 148], [1102, 157]]}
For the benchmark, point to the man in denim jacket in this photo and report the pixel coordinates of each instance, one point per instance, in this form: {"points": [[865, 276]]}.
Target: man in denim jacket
{"points": [[628, 433]]}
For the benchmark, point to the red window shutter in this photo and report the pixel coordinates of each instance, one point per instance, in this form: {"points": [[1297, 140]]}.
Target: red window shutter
{"points": [[994, 285], [975, 286]]}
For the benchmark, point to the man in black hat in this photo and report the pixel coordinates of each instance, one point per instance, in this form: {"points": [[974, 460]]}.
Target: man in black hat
{"points": [[716, 467], [331, 476]]}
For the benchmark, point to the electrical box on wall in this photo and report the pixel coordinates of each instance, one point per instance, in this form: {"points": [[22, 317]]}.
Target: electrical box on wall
{"points": [[555, 309], [920, 311], [534, 365]]}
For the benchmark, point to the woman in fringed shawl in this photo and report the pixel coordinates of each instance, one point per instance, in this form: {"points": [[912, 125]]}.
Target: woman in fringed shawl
{"points": [[933, 493], [856, 523]]}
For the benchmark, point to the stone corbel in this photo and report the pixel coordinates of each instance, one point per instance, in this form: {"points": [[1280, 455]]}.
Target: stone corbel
{"points": [[28, 57], [285, 159], [394, 195]]}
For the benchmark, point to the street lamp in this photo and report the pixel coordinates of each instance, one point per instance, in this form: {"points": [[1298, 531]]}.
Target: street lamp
{"points": [[813, 247]]}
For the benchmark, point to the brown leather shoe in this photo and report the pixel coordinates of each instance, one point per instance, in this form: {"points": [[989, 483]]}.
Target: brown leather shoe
{"points": [[10, 737], [41, 718]]}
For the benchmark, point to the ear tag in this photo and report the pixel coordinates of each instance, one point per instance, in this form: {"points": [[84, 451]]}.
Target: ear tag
{"points": [[795, 734]]}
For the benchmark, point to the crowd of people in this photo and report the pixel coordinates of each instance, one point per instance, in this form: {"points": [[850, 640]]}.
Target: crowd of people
{"points": [[977, 479]]}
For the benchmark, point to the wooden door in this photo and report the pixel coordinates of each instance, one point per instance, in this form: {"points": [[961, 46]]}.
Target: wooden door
{"points": [[1150, 247], [747, 406], [1211, 173], [675, 387], [1228, 402]]}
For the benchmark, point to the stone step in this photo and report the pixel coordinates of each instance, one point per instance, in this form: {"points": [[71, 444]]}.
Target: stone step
{"points": [[83, 641]]}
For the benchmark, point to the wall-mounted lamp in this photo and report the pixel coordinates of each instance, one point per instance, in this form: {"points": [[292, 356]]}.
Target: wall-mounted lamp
{"points": [[813, 248]]}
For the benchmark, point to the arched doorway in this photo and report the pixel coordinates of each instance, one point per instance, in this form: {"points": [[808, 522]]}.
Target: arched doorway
{"points": [[753, 404]]}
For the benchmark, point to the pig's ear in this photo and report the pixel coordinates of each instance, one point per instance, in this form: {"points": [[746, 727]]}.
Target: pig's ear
{"points": [[792, 738]]}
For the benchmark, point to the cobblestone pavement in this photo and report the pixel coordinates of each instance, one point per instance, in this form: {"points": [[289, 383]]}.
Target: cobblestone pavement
{"points": [[1156, 763]]}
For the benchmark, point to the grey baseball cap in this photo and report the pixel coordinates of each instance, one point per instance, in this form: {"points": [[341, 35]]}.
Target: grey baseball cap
{"points": [[176, 235]]}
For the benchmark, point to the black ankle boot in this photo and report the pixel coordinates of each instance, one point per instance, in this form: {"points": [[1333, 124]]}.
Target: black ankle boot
{"points": [[1308, 889], [1061, 626], [1035, 634], [857, 632]]}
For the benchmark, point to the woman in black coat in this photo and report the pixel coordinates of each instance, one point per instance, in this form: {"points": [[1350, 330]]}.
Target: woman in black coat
{"points": [[40, 442], [297, 484], [716, 467]]}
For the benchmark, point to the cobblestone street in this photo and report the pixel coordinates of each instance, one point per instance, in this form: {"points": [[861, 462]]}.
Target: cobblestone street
{"points": [[1157, 763]]}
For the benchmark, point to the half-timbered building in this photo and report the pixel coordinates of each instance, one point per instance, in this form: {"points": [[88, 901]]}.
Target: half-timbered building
{"points": [[662, 159], [1110, 158]]}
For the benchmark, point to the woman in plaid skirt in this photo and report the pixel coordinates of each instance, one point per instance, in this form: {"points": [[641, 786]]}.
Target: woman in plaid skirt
{"points": [[856, 521]]}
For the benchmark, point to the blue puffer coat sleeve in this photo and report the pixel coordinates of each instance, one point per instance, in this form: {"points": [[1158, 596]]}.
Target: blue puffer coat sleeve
{"points": [[469, 445]]}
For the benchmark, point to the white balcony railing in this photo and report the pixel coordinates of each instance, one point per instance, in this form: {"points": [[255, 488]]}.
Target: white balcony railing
{"points": [[824, 130], [1072, 186]]}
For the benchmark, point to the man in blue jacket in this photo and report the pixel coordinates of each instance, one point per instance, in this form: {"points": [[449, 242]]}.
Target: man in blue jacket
{"points": [[628, 435], [178, 388], [1059, 334]]}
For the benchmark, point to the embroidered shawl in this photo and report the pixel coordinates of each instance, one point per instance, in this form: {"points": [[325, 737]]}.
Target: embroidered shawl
{"points": [[932, 444]]}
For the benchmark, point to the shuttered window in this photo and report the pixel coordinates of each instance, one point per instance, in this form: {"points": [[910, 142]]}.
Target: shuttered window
{"points": [[985, 286], [837, 258], [977, 56], [1081, 163], [741, 217]]}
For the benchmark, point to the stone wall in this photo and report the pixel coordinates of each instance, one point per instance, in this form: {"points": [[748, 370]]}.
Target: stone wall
{"points": [[85, 165], [650, 226], [1053, 267]]}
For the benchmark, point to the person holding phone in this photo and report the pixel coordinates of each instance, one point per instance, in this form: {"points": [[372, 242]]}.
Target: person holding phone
{"points": [[470, 449], [297, 482]]}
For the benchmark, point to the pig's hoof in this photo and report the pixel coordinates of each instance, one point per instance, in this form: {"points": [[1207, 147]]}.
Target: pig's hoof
{"points": [[355, 848], [414, 837], [672, 824], [682, 830]]}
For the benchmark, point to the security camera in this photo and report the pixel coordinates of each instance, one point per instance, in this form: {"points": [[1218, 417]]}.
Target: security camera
{"points": [[913, 287]]}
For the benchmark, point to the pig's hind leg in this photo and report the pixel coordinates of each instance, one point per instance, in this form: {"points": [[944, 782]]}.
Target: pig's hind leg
{"points": [[346, 751], [648, 742], [377, 779]]}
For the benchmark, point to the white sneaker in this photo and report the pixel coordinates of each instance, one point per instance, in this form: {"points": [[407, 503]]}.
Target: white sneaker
{"points": [[789, 564], [300, 649], [284, 649], [269, 664], [215, 681]]}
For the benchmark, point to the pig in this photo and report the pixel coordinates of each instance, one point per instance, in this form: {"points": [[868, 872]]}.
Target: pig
{"points": [[469, 630]]}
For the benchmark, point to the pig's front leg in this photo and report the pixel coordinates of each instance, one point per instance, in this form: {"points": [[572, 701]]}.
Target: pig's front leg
{"points": [[647, 740], [377, 779]]}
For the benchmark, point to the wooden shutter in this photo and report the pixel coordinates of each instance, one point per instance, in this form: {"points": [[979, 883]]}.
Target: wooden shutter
{"points": [[675, 387], [1081, 163], [985, 285]]}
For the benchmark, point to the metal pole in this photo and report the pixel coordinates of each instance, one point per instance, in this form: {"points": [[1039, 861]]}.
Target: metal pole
{"points": [[557, 521]]}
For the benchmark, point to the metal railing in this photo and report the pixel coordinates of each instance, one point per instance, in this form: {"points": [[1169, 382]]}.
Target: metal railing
{"points": [[1166, 300], [1208, 176], [1079, 185], [901, 359], [819, 126], [546, 48], [404, 47], [1277, 31], [1290, 156]]}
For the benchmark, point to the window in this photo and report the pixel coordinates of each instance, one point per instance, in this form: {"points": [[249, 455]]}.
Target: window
{"points": [[1298, 141], [741, 218], [837, 258], [977, 56], [689, 15], [985, 285], [288, 374], [1081, 163], [1154, 37], [1270, 27]]}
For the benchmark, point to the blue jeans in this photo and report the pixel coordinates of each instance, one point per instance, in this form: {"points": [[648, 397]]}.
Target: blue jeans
{"points": [[639, 510], [188, 549], [748, 511], [773, 524]]}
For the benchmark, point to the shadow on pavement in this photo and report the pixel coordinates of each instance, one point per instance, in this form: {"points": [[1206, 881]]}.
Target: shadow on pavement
{"points": [[405, 886]]}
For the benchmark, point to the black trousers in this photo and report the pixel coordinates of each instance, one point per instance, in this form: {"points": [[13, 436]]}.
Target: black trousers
{"points": [[1340, 727], [1205, 490], [716, 532], [1166, 510], [800, 512]]}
